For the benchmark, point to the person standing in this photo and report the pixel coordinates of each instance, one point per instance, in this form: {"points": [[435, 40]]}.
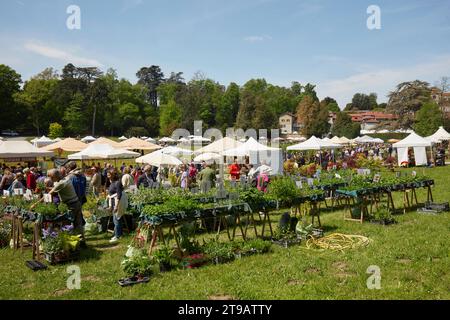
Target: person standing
{"points": [[67, 195], [234, 170], [146, 179], [78, 180], [118, 203], [7, 180], [31, 178], [184, 177], [127, 180], [96, 182], [207, 178]]}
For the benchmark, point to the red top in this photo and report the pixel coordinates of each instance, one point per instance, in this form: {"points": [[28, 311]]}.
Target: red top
{"points": [[234, 171], [31, 181]]}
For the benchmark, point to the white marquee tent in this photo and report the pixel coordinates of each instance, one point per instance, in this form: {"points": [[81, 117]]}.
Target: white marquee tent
{"points": [[313, 143], [21, 149], [42, 142], [440, 135], [419, 145], [245, 149], [88, 139], [103, 151], [158, 158], [220, 145]]}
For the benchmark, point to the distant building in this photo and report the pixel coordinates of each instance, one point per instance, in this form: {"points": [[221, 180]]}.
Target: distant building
{"points": [[371, 120], [442, 99], [288, 123]]}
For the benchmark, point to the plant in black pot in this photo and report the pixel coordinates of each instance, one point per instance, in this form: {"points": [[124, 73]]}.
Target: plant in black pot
{"points": [[164, 258], [383, 216]]}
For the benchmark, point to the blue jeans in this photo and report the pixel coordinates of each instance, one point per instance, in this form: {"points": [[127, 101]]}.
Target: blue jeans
{"points": [[117, 227]]}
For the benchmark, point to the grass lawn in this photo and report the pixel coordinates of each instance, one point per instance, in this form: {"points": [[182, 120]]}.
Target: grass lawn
{"points": [[413, 257]]}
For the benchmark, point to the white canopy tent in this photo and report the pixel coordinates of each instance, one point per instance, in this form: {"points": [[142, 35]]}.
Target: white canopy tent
{"points": [[21, 149], [220, 145], [42, 142], [336, 140], [88, 139], [103, 151], [199, 139], [258, 153], [138, 144], [150, 140], [245, 149], [123, 138], [364, 139], [419, 145], [313, 143], [158, 158], [209, 157], [68, 144], [175, 151], [167, 140], [104, 140], [440, 135], [345, 140]]}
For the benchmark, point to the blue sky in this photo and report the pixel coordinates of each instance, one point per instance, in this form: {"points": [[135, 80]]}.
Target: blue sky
{"points": [[325, 42]]}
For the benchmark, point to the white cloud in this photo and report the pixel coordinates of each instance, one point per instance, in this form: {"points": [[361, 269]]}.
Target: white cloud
{"points": [[59, 54], [253, 39], [383, 81]]}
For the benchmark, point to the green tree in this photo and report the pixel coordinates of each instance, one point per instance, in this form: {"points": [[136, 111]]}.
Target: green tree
{"points": [[406, 100], [428, 119], [313, 117], [361, 101], [228, 107], [10, 112], [170, 118], [74, 117], [343, 126], [151, 77], [34, 96], [55, 130]]}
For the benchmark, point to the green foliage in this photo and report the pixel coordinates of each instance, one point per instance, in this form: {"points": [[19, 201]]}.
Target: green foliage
{"points": [[5, 233], [407, 99], [55, 130], [138, 264], [137, 132], [344, 126], [170, 118], [283, 189], [313, 117], [428, 119], [164, 255], [74, 118], [46, 209]]}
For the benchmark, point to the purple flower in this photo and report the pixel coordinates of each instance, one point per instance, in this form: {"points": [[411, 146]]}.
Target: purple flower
{"points": [[45, 233], [67, 228], [54, 234]]}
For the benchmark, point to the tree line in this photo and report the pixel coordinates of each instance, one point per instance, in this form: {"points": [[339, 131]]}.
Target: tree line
{"points": [[86, 100]]}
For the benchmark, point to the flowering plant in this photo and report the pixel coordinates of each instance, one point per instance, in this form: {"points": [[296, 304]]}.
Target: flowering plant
{"points": [[59, 240]]}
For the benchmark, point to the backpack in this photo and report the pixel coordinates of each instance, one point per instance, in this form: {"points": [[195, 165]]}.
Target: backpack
{"points": [[79, 184]]}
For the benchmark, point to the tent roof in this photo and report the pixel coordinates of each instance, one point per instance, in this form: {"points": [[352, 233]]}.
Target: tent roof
{"points": [[166, 139], [103, 151], [175, 151], [314, 143], [250, 146], [208, 156], [21, 149], [345, 140], [413, 140], [220, 145], [159, 158], [88, 139], [68, 144], [440, 135], [103, 140], [136, 143], [123, 138]]}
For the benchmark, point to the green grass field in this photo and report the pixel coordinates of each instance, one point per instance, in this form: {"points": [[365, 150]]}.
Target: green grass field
{"points": [[413, 257]]}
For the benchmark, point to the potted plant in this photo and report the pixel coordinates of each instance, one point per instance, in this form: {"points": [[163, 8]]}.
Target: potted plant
{"points": [[164, 257], [383, 216], [60, 245], [138, 267]]}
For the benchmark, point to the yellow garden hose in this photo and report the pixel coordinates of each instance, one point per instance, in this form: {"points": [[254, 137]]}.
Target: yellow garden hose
{"points": [[337, 242]]}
